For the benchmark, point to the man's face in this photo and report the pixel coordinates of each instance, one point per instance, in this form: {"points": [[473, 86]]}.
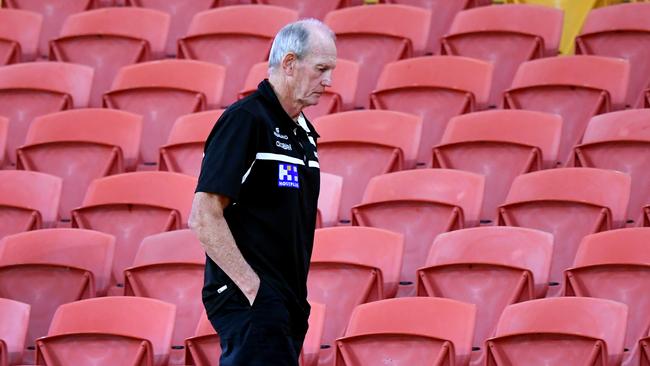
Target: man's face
{"points": [[314, 72]]}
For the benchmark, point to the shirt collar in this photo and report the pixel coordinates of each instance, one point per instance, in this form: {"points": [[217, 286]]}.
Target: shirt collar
{"points": [[266, 90]]}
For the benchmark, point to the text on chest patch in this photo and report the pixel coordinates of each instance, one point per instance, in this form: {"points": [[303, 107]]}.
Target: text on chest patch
{"points": [[288, 175]]}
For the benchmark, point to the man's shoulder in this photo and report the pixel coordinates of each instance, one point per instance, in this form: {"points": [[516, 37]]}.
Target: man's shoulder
{"points": [[251, 108]]}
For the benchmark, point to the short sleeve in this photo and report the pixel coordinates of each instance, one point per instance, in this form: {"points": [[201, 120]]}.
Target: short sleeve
{"points": [[229, 151]]}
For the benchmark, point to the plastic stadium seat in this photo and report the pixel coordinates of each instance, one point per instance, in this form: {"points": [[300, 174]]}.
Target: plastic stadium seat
{"points": [[308, 8], [621, 31], [351, 266], [575, 87], [337, 98], [615, 265], [170, 267], [420, 204], [47, 268], [235, 37], [183, 152], [569, 203], [137, 332], [500, 145], [32, 89], [530, 32], [14, 317], [329, 200], [54, 13], [162, 91], [376, 35], [181, 12], [359, 145], [132, 206], [79, 146], [620, 141], [516, 260], [407, 331], [108, 39], [28, 201], [4, 130], [435, 88], [560, 331], [19, 32]]}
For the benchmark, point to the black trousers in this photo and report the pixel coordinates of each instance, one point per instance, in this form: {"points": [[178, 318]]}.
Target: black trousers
{"points": [[256, 335]]}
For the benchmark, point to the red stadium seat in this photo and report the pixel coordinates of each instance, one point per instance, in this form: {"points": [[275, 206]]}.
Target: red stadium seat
{"points": [[575, 87], [359, 145], [32, 89], [506, 36], [235, 37], [136, 332], [47, 268], [561, 331], [621, 31], [376, 35], [500, 145], [19, 32], [133, 206], [162, 91], [28, 201], [329, 200], [307, 8], [14, 318], [79, 146], [569, 203], [183, 152], [4, 130], [108, 39], [435, 88], [516, 261], [351, 266], [615, 265], [408, 331]]}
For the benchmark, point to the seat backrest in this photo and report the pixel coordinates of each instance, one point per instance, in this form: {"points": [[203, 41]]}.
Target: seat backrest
{"points": [[402, 21], [193, 127], [541, 21], [630, 125], [65, 78], [170, 247], [14, 316], [99, 125], [542, 130], [622, 246], [329, 198], [390, 128], [84, 249], [454, 187], [261, 20], [307, 9], [191, 75], [23, 27], [4, 130], [163, 189], [451, 72], [600, 187], [32, 190], [604, 73], [633, 16], [147, 24]]}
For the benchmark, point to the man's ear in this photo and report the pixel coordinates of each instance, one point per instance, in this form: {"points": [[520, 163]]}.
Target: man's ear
{"points": [[289, 63]]}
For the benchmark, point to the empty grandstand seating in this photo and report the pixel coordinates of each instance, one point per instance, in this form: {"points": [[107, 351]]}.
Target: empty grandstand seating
{"points": [[435, 88], [407, 331], [420, 204], [615, 265], [569, 203], [575, 87], [568, 330], [108, 39], [307, 8], [359, 145], [329, 200], [119, 330], [14, 318], [375, 35], [235, 37], [620, 141], [162, 91], [79, 146], [32, 89], [500, 145], [183, 151], [505, 36], [19, 32]]}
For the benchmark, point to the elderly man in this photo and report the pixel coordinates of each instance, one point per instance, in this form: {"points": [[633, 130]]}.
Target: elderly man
{"points": [[254, 209]]}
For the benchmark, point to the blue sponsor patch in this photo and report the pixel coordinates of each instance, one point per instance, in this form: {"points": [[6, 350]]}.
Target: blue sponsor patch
{"points": [[288, 176]]}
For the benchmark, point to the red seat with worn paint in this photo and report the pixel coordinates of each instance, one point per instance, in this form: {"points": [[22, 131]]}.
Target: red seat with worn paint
{"points": [[14, 318], [19, 32]]}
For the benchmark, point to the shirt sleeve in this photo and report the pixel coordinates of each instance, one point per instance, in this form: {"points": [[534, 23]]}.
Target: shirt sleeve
{"points": [[229, 151]]}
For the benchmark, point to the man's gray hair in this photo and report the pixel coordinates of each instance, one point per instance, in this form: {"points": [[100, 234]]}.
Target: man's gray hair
{"points": [[294, 37]]}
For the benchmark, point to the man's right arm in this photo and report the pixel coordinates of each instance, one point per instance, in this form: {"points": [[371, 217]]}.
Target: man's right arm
{"points": [[209, 224]]}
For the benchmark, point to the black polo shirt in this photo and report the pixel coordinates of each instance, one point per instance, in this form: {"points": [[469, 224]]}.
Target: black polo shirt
{"points": [[268, 166]]}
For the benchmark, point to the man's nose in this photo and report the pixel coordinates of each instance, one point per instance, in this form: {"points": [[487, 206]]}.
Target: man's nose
{"points": [[327, 79]]}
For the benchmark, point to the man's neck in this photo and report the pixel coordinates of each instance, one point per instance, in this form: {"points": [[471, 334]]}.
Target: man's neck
{"points": [[281, 92]]}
